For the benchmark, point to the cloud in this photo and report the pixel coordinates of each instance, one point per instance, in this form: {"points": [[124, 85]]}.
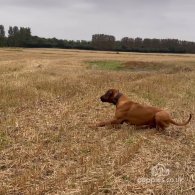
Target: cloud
{"points": [[32, 3], [79, 19]]}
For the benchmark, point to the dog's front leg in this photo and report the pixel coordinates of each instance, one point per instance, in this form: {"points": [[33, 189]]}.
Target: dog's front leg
{"points": [[111, 122]]}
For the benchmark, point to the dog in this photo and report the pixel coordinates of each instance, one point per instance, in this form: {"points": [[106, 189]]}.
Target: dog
{"points": [[136, 114]]}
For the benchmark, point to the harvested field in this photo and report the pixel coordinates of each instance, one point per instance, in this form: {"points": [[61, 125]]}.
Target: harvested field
{"points": [[48, 99]]}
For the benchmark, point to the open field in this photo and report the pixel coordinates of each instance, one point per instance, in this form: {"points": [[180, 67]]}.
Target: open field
{"points": [[49, 97]]}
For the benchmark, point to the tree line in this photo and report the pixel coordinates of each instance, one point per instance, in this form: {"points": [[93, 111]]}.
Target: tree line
{"points": [[22, 37]]}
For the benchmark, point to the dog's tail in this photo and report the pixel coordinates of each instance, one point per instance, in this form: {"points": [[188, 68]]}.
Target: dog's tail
{"points": [[181, 124]]}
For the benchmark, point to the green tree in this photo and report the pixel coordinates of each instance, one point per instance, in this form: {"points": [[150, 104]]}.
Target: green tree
{"points": [[2, 36], [127, 43], [103, 42]]}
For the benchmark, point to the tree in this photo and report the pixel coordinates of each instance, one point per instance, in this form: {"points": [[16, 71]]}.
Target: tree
{"points": [[12, 36], [19, 37], [103, 42], [2, 36], [2, 31], [10, 31], [127, 44], [138, 44], [23, 36]]}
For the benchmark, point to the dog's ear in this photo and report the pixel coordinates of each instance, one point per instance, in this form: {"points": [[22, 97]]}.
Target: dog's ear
{"points": [[116, 97], [110, 92], [115, 92]]}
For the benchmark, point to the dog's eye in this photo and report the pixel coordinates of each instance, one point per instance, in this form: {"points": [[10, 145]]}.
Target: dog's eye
{"points": [[109, 93]]}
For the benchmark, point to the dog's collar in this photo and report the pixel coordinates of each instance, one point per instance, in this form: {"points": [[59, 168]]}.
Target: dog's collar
{"points": [[115, 100]]}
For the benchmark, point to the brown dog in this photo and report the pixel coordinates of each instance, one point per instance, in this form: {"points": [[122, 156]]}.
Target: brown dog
{"points": [[135, 113]]}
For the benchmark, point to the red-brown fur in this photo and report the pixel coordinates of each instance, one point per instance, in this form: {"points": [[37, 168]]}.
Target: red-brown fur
{"points": [[135, 113]]}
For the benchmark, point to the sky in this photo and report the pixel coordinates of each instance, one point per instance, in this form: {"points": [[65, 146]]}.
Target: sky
{"points": [[80, 19]]}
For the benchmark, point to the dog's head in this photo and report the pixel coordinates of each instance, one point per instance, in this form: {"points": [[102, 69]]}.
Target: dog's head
{"points": [[111, 96]]}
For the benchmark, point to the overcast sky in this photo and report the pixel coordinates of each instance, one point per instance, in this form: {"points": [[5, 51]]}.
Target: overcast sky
{"points": [[79, 19]]}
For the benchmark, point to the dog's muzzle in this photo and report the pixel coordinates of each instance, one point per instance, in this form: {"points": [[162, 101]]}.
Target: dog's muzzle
{"points": [[102, 98]]}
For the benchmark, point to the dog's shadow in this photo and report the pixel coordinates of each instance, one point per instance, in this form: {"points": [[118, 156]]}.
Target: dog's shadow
{"points": [[174, 133]]}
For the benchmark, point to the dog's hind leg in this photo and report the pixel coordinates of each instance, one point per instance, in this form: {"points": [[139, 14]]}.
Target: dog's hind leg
{"points": [[161, 120]]}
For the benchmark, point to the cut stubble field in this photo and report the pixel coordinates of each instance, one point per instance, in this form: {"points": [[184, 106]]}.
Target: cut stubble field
{"points": [[50, 97]]}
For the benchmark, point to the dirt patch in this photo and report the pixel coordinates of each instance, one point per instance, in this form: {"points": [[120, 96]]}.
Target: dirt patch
{"points": [[154, 67], [143, 66]]}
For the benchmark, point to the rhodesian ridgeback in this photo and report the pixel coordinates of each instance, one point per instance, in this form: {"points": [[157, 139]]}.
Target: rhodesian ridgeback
{"points": [[136, 114]]}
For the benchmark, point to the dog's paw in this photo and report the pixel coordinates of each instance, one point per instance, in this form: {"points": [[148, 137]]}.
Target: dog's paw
{"points": [[92, 126]]}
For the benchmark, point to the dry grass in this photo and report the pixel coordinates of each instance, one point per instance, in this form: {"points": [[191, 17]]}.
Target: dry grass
{"points": [[49, 97]]}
